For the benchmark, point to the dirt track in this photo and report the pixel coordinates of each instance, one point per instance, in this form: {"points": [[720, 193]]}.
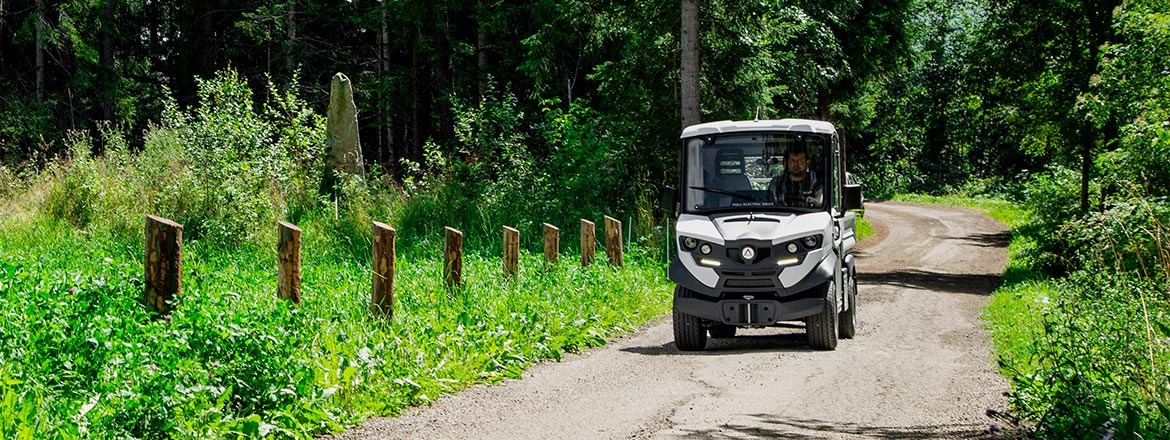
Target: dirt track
{"points": [[920, 366]]}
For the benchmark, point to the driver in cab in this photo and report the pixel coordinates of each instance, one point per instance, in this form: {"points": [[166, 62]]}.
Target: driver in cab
{"points": [[798, 186]]}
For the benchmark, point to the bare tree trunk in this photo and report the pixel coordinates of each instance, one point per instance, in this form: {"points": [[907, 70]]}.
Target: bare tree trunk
{"points": [[40, 43], [290, 58], [823, 101], [416, 92], [689, 38], [1086, 171], [107, 55], [443, 71], [387, 143], [481, 54]]}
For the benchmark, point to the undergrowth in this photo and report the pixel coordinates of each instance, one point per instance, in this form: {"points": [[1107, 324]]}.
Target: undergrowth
{"points": [[1087, 350], [79, 356]]}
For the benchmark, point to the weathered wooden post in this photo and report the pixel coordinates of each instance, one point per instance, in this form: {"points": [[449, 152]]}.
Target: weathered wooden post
{"points": [[588, 242], [164, 267], [511, 251], [382, 300], [453, 258], [288, 255], [613, 241], [552, 244]]}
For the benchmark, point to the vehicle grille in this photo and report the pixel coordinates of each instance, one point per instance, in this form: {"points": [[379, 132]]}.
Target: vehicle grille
{"points": [[750, 283]]}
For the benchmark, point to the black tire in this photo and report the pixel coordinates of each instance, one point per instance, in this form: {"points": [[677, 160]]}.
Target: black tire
{"points": [[848, 317], [822, 327], [689, 334], [722, 331]]}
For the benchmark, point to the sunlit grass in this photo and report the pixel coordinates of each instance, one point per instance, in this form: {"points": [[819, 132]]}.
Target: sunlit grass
{"points": [[233, 358], [1010, 214]]}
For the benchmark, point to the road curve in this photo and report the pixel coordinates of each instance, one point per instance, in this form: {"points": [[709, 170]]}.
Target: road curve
{"points": [[920, 366]]}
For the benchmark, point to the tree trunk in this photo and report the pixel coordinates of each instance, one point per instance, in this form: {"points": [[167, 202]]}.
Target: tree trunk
{"points": [[823, 101], [1086, 169], [481, 53], [40, 49], [387, 144], [109, 77], [290, 58], [416, 93], [443, 72], [689, 39]]}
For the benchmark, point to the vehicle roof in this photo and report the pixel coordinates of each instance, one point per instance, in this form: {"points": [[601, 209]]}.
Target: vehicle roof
{"points": [[802, 125]]}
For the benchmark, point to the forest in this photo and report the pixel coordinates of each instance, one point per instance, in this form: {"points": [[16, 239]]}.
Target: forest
{"points": [[476, 114]]}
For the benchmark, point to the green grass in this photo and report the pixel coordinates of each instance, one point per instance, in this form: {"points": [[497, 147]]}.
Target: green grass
{"points": [[864, 229], [81, 357], [1010, 214]]}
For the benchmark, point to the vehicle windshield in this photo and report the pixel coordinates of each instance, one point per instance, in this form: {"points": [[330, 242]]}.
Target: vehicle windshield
{"points": [[757, 171]]}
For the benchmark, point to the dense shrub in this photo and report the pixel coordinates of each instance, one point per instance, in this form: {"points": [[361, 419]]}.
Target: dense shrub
{"points": [[493, 176], [1103, 360], [226, 169]]}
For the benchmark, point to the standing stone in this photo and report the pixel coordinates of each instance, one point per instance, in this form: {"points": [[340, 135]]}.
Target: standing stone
{"points": [[345, 149]]}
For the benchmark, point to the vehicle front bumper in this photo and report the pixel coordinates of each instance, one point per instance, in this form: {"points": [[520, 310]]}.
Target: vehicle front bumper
{"points": [[743, 312]]}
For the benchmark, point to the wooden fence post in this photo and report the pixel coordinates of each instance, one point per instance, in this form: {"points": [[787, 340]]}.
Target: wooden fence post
{"points": [[382, 299], [613, 241], [164, 267], [288, 255], [552, 244], [453, 258], [588, 243], [511, 251]]}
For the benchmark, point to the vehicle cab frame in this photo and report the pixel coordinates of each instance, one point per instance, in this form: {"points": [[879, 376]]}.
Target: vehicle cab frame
{"points": [[764, 231]]}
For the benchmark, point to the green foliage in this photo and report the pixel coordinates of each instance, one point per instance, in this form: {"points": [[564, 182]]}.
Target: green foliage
{"points": [[79, 357], [80, 354], [23, 128], [1101, 361], [225, 170], [1088, 354], [492, 176]]}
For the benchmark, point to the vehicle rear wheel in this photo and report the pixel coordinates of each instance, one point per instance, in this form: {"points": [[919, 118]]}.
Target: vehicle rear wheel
{"points": [[848, 317], [822, 327], [722, 331], [689, 334]]}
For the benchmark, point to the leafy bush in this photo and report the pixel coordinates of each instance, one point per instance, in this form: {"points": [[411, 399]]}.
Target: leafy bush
{"points": [[491, 176], [1103, 360], [225, 169], [237, 165], [1089, 354]]}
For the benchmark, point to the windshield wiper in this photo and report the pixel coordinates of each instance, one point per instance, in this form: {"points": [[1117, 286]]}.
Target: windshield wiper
{"points": [[724, 192]]}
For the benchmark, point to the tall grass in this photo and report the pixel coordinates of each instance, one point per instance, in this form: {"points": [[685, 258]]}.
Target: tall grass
{"points": [[79, 357], [232, 357]]}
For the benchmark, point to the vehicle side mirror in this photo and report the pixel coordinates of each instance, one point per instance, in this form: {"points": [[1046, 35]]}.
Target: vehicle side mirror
{"points": [[669, 199], [853, 197]]}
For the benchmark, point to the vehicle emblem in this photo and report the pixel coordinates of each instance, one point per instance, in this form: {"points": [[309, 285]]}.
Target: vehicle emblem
{"points": [[748, 253]]}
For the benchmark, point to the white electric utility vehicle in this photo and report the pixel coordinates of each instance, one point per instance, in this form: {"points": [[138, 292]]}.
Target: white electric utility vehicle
{"points": [[765, 232]]}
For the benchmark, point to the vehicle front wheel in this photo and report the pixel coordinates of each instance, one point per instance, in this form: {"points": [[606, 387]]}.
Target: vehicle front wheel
{"points": [[848, 317], [822, 327], [689, 334]]}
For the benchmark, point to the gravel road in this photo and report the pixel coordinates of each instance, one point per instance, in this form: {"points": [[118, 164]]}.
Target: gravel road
{"points": [[920, 366]]}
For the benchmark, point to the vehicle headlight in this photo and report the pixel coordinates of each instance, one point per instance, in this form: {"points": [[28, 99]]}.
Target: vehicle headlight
{"points": [[705, 249], [792, 248], [811, 242], [689, 243]]}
